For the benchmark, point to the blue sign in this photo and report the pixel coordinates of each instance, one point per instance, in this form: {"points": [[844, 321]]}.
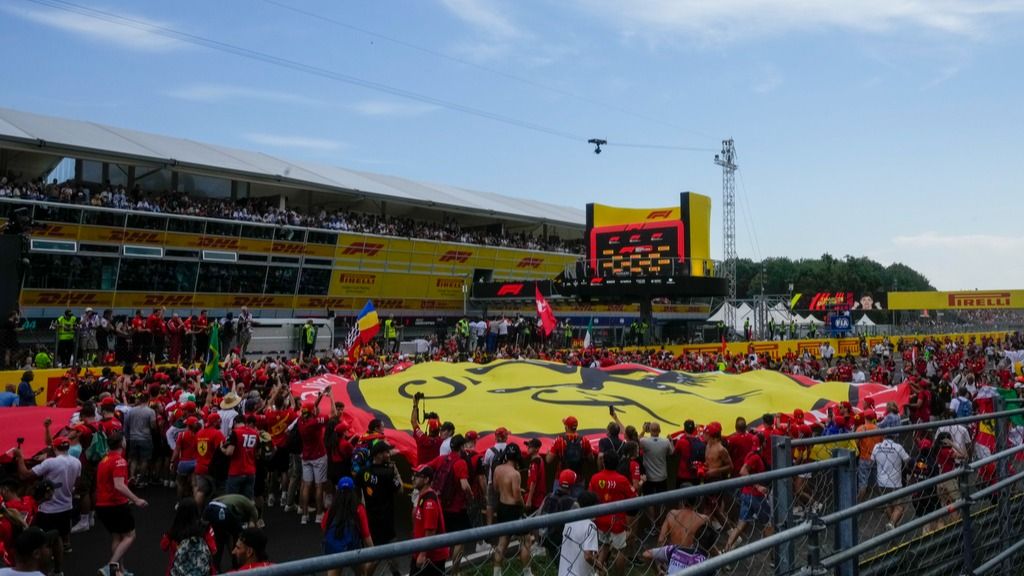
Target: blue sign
{"points": [[841, 323]]}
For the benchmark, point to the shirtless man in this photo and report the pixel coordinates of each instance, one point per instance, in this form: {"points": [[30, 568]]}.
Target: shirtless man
{"points": [[719, 467], [679, 541], [509, 485]]}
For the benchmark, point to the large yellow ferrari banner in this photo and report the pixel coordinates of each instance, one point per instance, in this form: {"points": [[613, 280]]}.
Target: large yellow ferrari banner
{"points": [[967, 300], [532, 397]]}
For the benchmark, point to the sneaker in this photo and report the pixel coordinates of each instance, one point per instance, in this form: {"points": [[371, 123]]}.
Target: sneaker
{"points": [[284, 497], [889, 526], [319, 518], [798, 511], [289, 508], [817, 507], [83, 525], [261, 524], [304, 520], [271, 501]]}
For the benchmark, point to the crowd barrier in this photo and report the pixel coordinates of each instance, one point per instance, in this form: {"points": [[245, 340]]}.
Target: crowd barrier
{"points": [[968, 520]]}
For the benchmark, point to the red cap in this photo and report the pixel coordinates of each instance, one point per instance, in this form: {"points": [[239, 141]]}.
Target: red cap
{"points": [[61, 443], [191, 421], [713, 429], [309, 404], [433, 424], [798, 414], [189, 406], [341, 428], [212, 419], [566, 478], [870, 416], [571, 421], [471, 436], [501, 432], [108, 402]]}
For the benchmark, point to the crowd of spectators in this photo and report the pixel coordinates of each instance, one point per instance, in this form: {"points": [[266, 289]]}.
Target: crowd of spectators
{"points": [[267, 212], [234, 447]]}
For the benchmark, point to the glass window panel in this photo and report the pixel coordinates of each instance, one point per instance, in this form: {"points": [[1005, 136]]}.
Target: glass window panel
{"points": [[58, 214], [222, 228], [185, 225], [281, 280], [314, 281], [147, 222], [56, 271], [103, 218], [261, 232], [289, 234], [328, 238], [162, 275]]}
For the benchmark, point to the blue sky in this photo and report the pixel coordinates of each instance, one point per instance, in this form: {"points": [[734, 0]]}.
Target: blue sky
{"points": [[885, 128]]}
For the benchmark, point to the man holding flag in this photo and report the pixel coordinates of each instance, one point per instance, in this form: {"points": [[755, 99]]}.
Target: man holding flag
{"points": [[212, 372], [366, 326]]}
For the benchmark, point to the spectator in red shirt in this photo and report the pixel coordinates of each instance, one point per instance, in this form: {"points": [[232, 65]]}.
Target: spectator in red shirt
{"points": [[428, 445], [536, 477], [457, 492], [251, 550], [240, 448], [740, 444], [571, 450], [610, 486], [276, 420], [427, 520], [312, 426], [769, 430], [183, 460], [690, 448], [754, 504], [208, 441], [155, 327], [113, 496]]}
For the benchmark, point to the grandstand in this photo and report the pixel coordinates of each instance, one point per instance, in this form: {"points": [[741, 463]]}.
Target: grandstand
{"points": [[150, 220]]}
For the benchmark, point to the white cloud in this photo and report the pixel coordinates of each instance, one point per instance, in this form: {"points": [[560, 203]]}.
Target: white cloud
{"points": [[963, 261], [223, 92], [391, 108], [289, 141], [730, 20], [483, 15], [769, 79], [141, 34]]}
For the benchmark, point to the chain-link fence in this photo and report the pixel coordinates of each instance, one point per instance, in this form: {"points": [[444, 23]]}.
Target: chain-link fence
{"points": [[937, 498]]}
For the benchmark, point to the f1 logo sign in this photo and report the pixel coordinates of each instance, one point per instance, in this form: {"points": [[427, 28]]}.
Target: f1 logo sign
{"points": [[510, 290], [659, 215]]}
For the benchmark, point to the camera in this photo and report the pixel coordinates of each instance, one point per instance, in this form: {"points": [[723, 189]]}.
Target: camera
{"points": [[431, 416], [20, 440]]}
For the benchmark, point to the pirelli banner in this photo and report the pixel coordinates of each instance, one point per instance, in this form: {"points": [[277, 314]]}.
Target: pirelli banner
{"points": [[966, 300]]}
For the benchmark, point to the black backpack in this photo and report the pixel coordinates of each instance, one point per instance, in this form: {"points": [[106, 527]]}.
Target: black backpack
{"points": [[572, 457]]}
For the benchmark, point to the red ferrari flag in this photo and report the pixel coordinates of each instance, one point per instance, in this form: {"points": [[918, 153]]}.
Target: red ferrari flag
{"points": [[547, 317]]}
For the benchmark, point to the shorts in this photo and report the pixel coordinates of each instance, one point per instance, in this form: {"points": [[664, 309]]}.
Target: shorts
{"points": [[140, 449], [508, 512], [865, 473], [616, 540], [456, 521], [116, 519], [382, 528], [315, 470], [492, 497], [755, 509], [655, 487], [279, 461], [186, 467], [244, 485], [60, 522], [948, 491]]}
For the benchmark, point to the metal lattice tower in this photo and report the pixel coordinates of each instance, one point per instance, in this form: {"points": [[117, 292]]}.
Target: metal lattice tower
{"points": [[727, 160]]}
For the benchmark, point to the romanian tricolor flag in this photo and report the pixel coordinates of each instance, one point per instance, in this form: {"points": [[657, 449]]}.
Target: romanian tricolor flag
{"points": [[365, 328]]}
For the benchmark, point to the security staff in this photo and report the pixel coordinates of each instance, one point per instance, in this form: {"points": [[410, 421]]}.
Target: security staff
{"points": [[462, 330], [66, 325], [391, 334], [308, 339]]}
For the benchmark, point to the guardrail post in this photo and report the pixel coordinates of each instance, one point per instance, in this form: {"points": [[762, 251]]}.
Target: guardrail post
{"points": [[782, 457], [846, 497], [814, 566], [1007, 534], [966, 525]]}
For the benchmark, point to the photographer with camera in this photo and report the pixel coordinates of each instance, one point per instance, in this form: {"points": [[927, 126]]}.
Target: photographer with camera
{"points": [[428, 445]]}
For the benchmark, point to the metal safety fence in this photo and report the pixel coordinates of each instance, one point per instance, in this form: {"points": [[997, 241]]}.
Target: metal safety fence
{"points": [[954, 506]]}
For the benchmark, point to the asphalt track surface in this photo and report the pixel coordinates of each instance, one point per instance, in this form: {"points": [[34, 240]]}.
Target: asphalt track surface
{"points": [[288, 540]]}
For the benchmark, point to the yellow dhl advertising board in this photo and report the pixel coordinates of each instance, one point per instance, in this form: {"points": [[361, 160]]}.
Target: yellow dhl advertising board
{"points": [[964, 300]]}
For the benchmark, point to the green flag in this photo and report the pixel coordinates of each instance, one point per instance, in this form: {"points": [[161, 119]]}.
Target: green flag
{"points": [[1012, 394], [212, 373], [588, 339]]}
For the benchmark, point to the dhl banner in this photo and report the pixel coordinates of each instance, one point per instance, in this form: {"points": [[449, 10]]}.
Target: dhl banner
{"points": [[966, 300], [532, 397]]}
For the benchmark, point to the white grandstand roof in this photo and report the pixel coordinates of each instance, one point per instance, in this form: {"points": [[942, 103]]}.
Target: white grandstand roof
{"points": [[61, 135]]}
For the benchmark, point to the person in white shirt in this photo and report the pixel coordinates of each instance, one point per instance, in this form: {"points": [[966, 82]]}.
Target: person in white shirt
{"points": [[62, 471], [578, 554], [958, 433], [889, 458]]}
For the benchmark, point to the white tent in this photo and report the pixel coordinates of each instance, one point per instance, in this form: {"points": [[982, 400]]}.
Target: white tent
{"points": [[864, 321], [810, 319]]}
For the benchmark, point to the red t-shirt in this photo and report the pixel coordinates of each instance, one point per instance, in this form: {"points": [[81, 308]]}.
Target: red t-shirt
{"points": [[311, 430], [766, 452], [610, 486], [276, 422], [427, 447], [243, 459], [946, 459], [208, 441], [112, 466], [558, 449], [739, 446], [427, 516], [138, 323], [685, 470], [187, 445], [755, 465], [537, 477]]}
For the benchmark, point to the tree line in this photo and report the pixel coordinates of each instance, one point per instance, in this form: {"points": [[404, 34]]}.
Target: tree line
{"points": [[826, 274]]}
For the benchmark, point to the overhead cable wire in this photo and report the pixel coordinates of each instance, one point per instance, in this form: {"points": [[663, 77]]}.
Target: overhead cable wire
{"points": [[488, 69]]}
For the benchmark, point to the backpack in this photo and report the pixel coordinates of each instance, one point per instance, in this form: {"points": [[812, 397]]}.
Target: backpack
{"points": [[445, 485], [572, 456], [192, 558], [964, 408], [552, 535], [497, 459], [698, 449], [341, 537], [360, 459], [97, 448]]}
